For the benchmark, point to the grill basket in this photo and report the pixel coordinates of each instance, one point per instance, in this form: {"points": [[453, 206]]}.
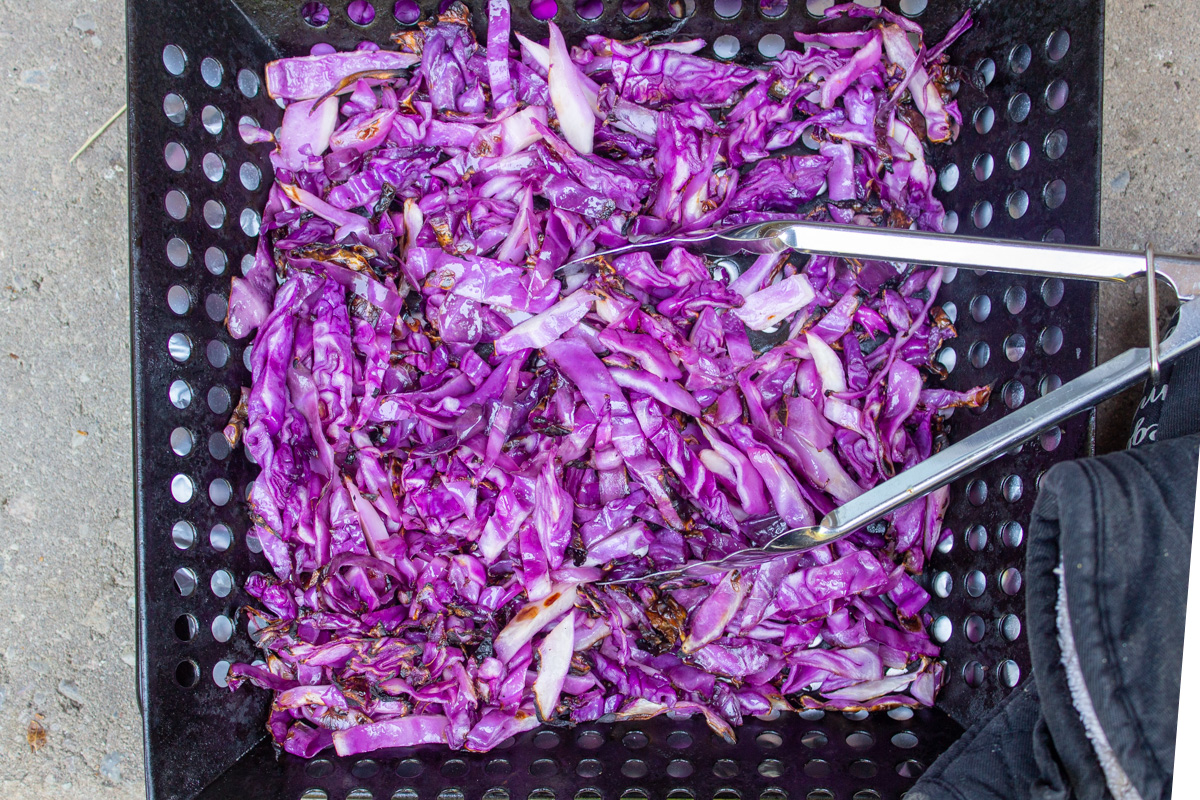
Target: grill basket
{"points": [[1026, 166]]}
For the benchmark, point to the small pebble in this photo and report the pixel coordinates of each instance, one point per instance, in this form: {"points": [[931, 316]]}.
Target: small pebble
{"points": [[1121, 181], [110, 767], [69, 690]]}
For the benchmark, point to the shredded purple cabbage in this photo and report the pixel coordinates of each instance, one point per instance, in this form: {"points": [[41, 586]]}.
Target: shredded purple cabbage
{"points": [[458, 438]]}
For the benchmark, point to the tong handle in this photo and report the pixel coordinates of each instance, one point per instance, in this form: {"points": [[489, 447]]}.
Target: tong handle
{"points": [[1018, 427]]}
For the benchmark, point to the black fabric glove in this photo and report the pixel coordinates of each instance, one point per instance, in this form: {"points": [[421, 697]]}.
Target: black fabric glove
{"points": [[1097, 718]]}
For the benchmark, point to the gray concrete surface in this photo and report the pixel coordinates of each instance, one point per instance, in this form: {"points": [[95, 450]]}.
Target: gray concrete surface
{"points": [[66, 537]]}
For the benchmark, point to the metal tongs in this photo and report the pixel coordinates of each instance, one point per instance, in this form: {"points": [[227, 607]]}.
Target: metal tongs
{"points": [[1181, 273]]}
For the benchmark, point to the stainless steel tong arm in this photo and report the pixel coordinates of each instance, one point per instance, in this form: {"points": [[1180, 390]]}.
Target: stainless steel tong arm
{"points": [[938, 249]]}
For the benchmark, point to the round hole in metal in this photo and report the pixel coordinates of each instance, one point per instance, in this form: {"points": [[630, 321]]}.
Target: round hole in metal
{"points": [[315, 14], [178, 251], [1048, 384], [900, 713], [175, 108], [1019, 106], [1010, 627], [1010, 581], [1055, 144], [406, 12], [1009, 673], [910, 768], [950, 310], [183, 534], [856, 716], [220, 492], [589, 9], [950, 225], [589, 768], [1014, 347], [362, 794], [212, 119], [360, 12], [768, 740], [215, 307], [635, 9], [976, 537], [174, 59], [863, 769], [250, 176], [941, 629], [814, 740], [981, 307], [1055, 236], [866, 794], [983, 166], [771, 45], [817, 8], [820, 794], [546, 740], [1012, 487], [1051, 439], [725, 768], [1051, 340], [679, 740], [814, 768], [1057, 45], [222, 628], [860, 740], [977, 492], [180, 394], [409, 768], [249, 221], [773, 9], [981, 215], [943, 584], [635, 740], [217, 353], [214, 260], [213, 166], [182, 488], [457, 768], [181, 441], [185, 581], [1017, 203], [975, 628], [905, 740], [1052, 291], [220, 537], [726, 46], [1057, 93], [681, 9], [186, 627], [913, 8], [974, 674], [1012, 534], [984, 119], [546, 9], [590, 740], [634, 768], [218, 399], [948, 358], [1018, 155], [1015, 299], [987, 70], [975, 582], [946, 543], [214, 213], [948, 177], [811, 714], [187, 673], [178, 300], [221, 583], [1055, 193], [680, 768], [1019, 58], [727, 9], [1013, 394], [176, 203], [176, 156], [497, 767]]}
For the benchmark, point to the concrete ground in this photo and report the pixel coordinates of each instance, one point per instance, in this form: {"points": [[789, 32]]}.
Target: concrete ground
{"points": [[66, 536]]}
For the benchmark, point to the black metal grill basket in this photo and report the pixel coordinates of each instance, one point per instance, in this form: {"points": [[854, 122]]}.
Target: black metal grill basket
{"points": [[1025, 166]]}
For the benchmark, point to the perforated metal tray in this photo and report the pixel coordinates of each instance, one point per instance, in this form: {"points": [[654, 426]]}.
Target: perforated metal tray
{"points": [[1026, 166]]}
